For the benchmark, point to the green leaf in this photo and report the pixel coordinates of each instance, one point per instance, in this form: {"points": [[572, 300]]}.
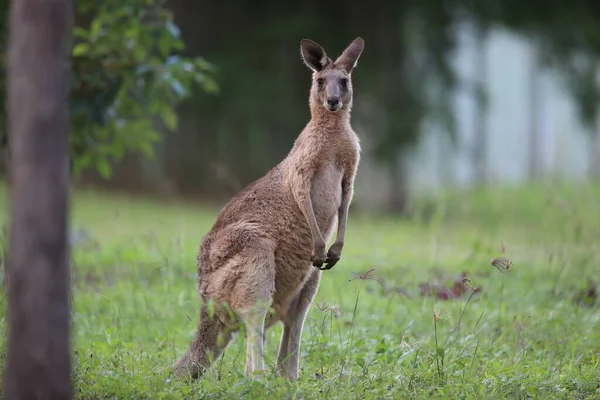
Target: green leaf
{"points": [[168, 117], [103, 168], [210, 86], [81, 49], [96, 27]]}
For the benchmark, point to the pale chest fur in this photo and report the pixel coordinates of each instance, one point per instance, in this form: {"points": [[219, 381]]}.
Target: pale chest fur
{"points": [[326, 185]]}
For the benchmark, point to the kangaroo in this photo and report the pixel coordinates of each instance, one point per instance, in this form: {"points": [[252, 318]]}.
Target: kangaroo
{"points": [[261, 262]]}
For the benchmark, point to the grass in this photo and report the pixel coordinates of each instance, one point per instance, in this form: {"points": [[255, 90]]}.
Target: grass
{"points": [[531, 332]]}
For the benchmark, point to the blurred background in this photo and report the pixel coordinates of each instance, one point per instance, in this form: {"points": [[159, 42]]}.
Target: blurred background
{"points": [[199, 98]]}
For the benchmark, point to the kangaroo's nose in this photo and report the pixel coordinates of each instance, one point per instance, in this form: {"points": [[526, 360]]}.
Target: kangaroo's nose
{"points": [[333, 102]]}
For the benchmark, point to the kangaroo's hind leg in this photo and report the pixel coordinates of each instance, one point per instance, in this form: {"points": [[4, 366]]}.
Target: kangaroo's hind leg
{"points": [[288, 359], [212, 336], [252, 297], [246, 283]]}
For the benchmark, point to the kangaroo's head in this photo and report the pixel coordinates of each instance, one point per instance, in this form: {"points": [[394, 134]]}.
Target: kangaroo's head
{"points": [[332, 84]]}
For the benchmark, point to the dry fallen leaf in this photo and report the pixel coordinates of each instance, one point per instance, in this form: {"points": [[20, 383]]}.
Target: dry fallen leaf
{"points": [[502, 264]]}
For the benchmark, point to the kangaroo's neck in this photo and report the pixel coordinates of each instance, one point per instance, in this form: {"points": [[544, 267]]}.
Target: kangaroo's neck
{"points": [[322, 117]]}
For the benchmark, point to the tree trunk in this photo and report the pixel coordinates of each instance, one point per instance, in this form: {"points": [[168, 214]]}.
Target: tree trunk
{"points": [[38, 361], [393, 95], [398, 187]]}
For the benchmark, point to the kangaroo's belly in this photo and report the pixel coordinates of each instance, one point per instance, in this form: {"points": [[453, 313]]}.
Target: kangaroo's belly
{"points": [[326, 196]]}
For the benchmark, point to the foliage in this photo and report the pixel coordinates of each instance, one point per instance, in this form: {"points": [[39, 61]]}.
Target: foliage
{"points": [[527, 334], [128, 74]]}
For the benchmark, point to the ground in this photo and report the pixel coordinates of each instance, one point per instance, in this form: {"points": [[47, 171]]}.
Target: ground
{"points": [[527, 331]]}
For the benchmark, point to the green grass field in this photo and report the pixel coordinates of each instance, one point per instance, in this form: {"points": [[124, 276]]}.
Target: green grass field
{"points": [[531, 331]]}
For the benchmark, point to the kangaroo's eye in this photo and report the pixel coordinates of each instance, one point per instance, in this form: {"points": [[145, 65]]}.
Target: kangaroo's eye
{"points": [[344, 82], [320, 82]]}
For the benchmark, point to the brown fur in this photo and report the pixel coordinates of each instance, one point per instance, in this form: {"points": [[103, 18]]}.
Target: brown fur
{"points": [[259, 253]]}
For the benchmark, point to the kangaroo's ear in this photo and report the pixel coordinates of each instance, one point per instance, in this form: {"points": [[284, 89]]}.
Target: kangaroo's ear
{"points": [[349, 58], [313, 55]]}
